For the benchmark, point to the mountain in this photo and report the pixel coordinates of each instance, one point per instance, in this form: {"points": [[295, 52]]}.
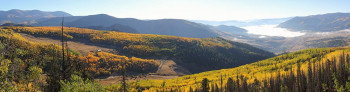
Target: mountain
{"points": [[231, 29], [27, 16], [272, 21], [98, 22], [93, 20], [194, 54], [55, 21], [319, 23], [175, 27]]}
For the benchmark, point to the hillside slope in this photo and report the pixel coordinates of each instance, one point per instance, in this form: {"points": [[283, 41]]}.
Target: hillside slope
{"points": [[196, 55], [166, 67], [231, 30], [42, 52], [263, 75], [319, 23]]}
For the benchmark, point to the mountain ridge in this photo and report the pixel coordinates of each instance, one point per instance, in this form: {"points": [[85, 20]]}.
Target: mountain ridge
{"points": [[175, 27], [28, 16], [318, 23]]}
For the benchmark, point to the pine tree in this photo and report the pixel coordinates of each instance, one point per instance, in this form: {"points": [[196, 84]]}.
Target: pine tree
{"points": [[310, 84], [190, 90], [244, 84], [212, 89], [237, 86], [60, 68], [256, 85], [54, 73], [230, 87], [278, 82], [216, 88], [124, 86], [163, 85], [291, 81], [299, 79], [221, 83], [205, 85]]}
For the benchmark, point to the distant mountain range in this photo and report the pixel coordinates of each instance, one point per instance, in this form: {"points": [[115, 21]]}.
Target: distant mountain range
{"points": [[319, 23], [27, 16], [175, 27], [202, 29], [231, 30], [272, 21]]}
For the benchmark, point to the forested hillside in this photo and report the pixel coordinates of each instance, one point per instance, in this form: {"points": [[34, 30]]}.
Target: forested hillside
{"points": [[195, 54], [313, 70], [31, 66]]}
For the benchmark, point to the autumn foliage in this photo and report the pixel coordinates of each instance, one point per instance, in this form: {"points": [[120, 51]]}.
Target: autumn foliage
{"points": [[104, 64], [202, 54]]}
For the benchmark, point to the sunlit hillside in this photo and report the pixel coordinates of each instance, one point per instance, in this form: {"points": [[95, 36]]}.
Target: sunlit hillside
{"points": [[195, 54], [174, 46], [256, 74], [20, 58]]}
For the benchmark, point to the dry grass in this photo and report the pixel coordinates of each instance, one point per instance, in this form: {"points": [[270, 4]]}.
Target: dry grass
{"points": [[117, 79], [84, 49]]}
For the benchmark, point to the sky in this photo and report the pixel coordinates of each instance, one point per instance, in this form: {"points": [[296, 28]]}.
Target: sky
{"points": [[218, 10]]}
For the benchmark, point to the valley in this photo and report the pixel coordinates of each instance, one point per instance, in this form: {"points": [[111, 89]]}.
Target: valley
{"points": [[100, 51]]}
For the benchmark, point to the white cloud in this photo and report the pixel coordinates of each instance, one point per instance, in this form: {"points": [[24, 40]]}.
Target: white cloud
{"points": [[271, 30]]}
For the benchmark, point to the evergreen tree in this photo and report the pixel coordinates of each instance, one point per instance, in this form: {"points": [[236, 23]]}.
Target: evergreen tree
{"points": [[221, 83], [217, 88], [230, 87], [124, 86], [212, 88], [237, 86], [244, 84], [190, 90], [205, 85], [310, 84]]}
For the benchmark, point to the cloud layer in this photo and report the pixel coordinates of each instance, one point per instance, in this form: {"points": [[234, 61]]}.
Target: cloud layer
{"points": [[271, 30]]}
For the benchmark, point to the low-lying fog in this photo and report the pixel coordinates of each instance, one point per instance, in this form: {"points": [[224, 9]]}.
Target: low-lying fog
{"points": [[271, 30]]}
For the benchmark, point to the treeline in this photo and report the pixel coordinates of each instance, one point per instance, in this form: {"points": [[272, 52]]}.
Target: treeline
{"points": [[195, 54], [329, 76]]}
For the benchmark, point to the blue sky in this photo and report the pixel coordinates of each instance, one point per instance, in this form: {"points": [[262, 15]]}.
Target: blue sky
{"points": [[185, 9]]}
